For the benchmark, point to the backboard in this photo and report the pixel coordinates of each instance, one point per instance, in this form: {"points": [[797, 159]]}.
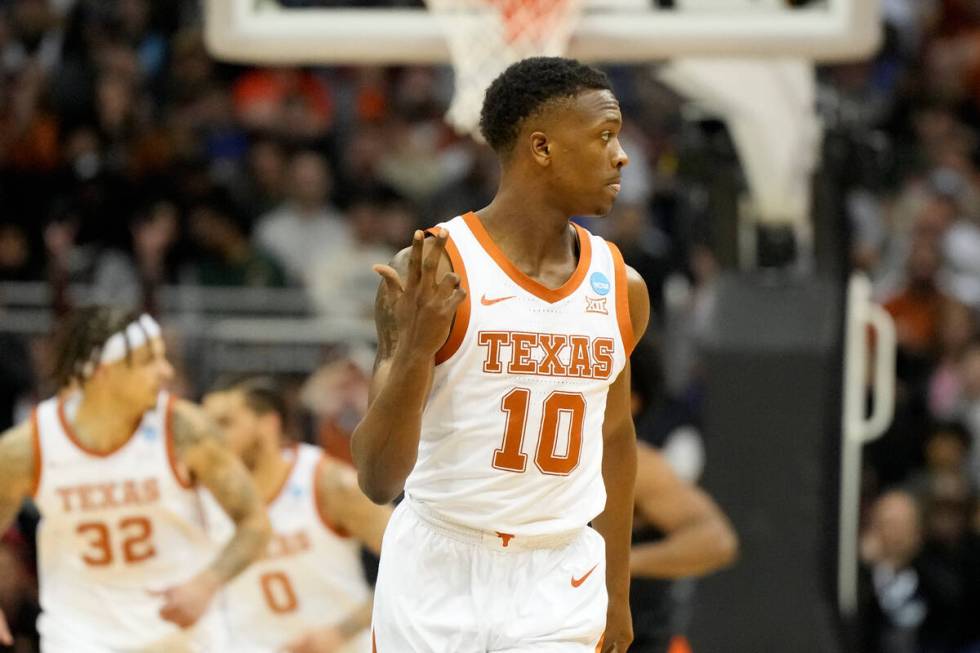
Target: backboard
{"points": [[266, 31]]}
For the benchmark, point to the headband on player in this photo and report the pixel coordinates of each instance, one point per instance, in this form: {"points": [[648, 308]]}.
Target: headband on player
{"points": [[137, 334]]}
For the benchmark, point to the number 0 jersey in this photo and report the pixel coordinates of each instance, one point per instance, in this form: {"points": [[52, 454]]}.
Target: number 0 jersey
{"points": [[114, 527], [512, 429], [310, 577]]}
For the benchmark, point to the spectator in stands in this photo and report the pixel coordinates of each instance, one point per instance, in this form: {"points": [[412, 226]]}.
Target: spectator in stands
{"points": [[262, 186], [957, 327], [969, 410], [16, 263], [894, 604], [289, 102], [948, 563], [916, 308], [344, 283], [947, 451], [228, 258], [305, 228], [133, 277]]}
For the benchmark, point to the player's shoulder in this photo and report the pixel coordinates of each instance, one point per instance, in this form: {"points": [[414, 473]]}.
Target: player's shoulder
{"points": [[637, 294], [400, 260], [335, 483], [190, 424]]}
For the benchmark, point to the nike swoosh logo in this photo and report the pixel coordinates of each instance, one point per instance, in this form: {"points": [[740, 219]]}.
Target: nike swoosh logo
{"points": [[491, 302], [576, 582]]}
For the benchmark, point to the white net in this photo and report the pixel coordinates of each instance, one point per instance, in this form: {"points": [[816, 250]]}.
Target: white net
{"points": [[486, 36]]}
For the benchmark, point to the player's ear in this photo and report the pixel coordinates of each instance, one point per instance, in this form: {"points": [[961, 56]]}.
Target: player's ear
{"points": [[540, 148]]}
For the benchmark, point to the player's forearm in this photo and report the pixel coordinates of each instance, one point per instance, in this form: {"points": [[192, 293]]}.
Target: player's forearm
{"points": [[694, 550], [245, 547], [385, 444], [615, 524]]}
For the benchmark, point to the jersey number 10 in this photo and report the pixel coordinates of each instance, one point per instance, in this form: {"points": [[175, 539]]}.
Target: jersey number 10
{"points": [[509, 456]]}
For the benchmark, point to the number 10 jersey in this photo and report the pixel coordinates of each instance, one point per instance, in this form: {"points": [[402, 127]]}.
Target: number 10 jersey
{"points": [[512, 429]]}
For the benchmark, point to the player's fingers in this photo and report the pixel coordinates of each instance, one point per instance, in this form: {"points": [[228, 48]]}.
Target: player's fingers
{"points": [[391, 278], [431, 263], [5, 637], [457, 298], [448, 284], [415, 261]]}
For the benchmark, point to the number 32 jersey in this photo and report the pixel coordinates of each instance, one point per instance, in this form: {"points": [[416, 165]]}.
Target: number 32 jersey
{"points": [[512, 430], [114, 527]]}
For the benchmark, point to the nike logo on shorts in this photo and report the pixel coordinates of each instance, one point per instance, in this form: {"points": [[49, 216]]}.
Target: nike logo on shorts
{"points": [[576, 582]]}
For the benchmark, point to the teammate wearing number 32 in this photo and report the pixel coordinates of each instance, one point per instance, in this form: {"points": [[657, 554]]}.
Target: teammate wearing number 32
{"points": [[125, 562], [501, 395]]}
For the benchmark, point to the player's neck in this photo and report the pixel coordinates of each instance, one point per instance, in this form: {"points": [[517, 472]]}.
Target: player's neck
{"points": [[271, 469], [100, 419], [527, 229]]}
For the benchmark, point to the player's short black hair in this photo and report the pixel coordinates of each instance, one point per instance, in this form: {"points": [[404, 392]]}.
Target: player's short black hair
{"points": [[525, 87], [262, 395]]}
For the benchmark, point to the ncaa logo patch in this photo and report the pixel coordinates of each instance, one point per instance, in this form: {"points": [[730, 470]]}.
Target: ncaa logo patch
{"points": [[600, 283]]}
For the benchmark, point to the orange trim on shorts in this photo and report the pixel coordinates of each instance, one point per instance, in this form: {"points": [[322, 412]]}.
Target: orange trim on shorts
{"points": [[536, 288], [36, 444], [462, 319], [623, 300], [168, 421], [70, 432], [374, 642], [330, 526]]}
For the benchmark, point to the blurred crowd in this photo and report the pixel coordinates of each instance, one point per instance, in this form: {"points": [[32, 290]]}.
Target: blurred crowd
{"points": [[914, 208], [130, 160]]}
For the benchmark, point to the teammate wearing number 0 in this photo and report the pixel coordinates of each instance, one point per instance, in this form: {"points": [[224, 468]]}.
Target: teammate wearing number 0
{"points": [[124, 559], [501, 394], [308, 594]]}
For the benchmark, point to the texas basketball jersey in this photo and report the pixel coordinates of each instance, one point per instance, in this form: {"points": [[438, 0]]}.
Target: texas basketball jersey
{"points": [[115, 527], [512, 430], [311, 576]]}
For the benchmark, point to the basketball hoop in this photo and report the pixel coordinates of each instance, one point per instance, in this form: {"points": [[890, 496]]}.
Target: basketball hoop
{"points": [[486, 36]]}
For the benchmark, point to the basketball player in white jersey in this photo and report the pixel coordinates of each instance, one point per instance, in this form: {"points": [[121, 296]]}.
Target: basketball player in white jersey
{"points": [[308, 594], [501, 394], [124, 560]]}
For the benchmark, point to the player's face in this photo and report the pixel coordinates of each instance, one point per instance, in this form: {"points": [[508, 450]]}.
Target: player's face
{"points": [[586, 154], [237, 421], [141, 378]]}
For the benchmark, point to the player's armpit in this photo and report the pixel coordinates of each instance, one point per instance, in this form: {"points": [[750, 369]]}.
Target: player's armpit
{"points": [[342, 503], [18, 470], [200, 446]]}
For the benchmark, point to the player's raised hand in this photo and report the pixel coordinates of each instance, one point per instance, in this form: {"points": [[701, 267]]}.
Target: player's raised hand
{"points": [[423, 305], [5, 637]]}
